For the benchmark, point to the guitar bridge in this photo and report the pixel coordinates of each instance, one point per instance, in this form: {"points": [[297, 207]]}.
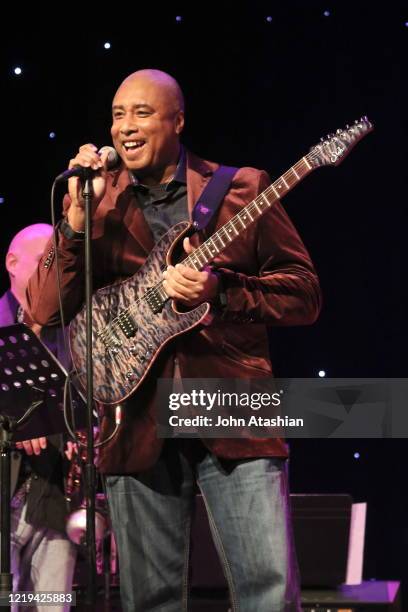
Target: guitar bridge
{"points": [[110, 340]]}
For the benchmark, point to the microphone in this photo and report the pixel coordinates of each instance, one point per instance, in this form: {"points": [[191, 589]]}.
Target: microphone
{"points": [[112, 161]]}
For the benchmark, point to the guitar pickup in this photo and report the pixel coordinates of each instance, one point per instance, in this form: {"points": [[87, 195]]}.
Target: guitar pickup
{"points": [[127, 324], [154, 300]]}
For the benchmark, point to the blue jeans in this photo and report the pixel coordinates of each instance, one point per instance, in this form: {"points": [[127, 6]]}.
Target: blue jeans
{"points": [[247, 506]]}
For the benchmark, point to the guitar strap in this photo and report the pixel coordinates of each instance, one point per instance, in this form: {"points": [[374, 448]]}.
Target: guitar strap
{"points": [[212, 196]]}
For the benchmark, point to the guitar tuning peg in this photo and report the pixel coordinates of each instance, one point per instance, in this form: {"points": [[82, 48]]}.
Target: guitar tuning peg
{"points": [[347, 127], [322, 139], [339, 131]]}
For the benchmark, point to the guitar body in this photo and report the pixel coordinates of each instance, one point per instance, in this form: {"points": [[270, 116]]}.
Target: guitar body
{"points": [[123, 356]]}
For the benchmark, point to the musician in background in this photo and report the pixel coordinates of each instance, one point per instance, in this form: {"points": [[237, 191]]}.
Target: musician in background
{"points": [[264, 278], [42, 557]]}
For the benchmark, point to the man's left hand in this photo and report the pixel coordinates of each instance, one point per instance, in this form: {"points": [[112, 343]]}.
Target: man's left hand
{"points": [[190, 286], [34, 446]]}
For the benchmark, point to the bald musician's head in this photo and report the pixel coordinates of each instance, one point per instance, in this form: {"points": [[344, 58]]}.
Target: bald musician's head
{"points": [[169, 89], [23, 255]]}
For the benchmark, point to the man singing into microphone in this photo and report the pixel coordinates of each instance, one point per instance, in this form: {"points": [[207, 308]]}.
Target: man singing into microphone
{"points": [[266, 278]]}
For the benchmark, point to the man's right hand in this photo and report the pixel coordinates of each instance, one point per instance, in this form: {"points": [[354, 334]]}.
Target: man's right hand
{"points": [[89, 158]]}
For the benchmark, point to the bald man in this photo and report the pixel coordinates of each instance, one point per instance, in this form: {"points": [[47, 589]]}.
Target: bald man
{"points": [[42, 557], [267, 278]]}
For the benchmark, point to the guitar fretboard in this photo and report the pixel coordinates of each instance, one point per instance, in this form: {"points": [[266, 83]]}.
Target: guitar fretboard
{"points": [[207, 251]]}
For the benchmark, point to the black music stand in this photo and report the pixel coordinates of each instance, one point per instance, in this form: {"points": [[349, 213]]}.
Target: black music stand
{"points": [[31, 382]]}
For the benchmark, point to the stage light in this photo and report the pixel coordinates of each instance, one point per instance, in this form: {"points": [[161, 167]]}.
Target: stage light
{"points": [[17, 70], [322, 373], [269, 19], [107, 45], [326, 13], [356, 455], [51, 135], [179, 18], [1, 200]]}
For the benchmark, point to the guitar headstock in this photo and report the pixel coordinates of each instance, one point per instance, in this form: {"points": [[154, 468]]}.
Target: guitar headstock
{"points": [[334, 148]]}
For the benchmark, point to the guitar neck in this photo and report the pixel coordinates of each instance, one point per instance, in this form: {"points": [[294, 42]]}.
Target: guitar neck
{"points": [[214, 245]]}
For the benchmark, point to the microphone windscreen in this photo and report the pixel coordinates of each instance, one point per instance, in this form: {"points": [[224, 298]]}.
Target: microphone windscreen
{"points": [[113, 159]]}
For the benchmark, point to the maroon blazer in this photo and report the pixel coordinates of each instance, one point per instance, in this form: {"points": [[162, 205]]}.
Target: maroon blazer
{"points": [[268, 277]]}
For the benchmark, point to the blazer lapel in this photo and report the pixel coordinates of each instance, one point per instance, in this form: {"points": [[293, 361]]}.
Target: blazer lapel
{"points": [[129, 207]]}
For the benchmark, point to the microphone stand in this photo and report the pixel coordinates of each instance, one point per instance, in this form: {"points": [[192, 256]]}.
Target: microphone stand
{"points": [[90, 472]]}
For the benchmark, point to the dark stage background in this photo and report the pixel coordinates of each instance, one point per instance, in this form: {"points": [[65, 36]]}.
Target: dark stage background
{"points": [[259, 92]]}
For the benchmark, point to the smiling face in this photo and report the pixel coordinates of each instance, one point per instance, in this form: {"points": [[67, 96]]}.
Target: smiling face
{"points": [[147, 119]]}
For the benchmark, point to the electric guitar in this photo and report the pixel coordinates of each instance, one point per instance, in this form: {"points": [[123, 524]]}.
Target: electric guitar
{"points": [[134, 319]]}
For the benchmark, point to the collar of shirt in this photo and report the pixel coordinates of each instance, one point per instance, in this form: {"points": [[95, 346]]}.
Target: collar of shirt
{"points": [[180, 176]]}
